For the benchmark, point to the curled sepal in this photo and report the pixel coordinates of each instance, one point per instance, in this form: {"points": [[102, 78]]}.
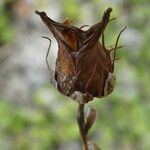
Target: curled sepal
{"points": [[90, 118]]}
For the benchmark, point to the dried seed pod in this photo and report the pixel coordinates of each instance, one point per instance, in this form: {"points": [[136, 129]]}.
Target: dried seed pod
{"points": [[84, 67]]}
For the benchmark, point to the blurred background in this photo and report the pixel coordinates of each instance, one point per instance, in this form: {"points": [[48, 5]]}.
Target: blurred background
{"points": [[34, 115]]}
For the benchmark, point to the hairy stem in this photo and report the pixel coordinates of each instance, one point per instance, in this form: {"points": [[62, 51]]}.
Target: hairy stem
{"points": [[81, 124]]}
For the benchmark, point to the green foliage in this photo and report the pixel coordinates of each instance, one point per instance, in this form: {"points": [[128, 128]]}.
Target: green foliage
{"points": [[71, 9], [6, 33], [41, 127]]}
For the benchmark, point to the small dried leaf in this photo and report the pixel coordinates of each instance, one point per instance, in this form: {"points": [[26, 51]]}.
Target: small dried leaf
{"points": [[91, 116], [93, 146]]}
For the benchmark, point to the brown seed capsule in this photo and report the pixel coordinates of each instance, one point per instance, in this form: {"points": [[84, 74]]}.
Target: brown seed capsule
{"points": [[84, 67]]}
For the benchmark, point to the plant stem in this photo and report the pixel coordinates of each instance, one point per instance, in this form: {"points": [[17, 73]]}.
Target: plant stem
{"points": [[81, 124]]}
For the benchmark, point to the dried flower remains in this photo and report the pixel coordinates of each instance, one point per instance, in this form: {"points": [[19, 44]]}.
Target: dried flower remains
{"points": [[84, 66]]}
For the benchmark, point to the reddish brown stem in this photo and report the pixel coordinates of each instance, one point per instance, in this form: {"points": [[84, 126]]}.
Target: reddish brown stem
{"points": [[81, 124]]}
